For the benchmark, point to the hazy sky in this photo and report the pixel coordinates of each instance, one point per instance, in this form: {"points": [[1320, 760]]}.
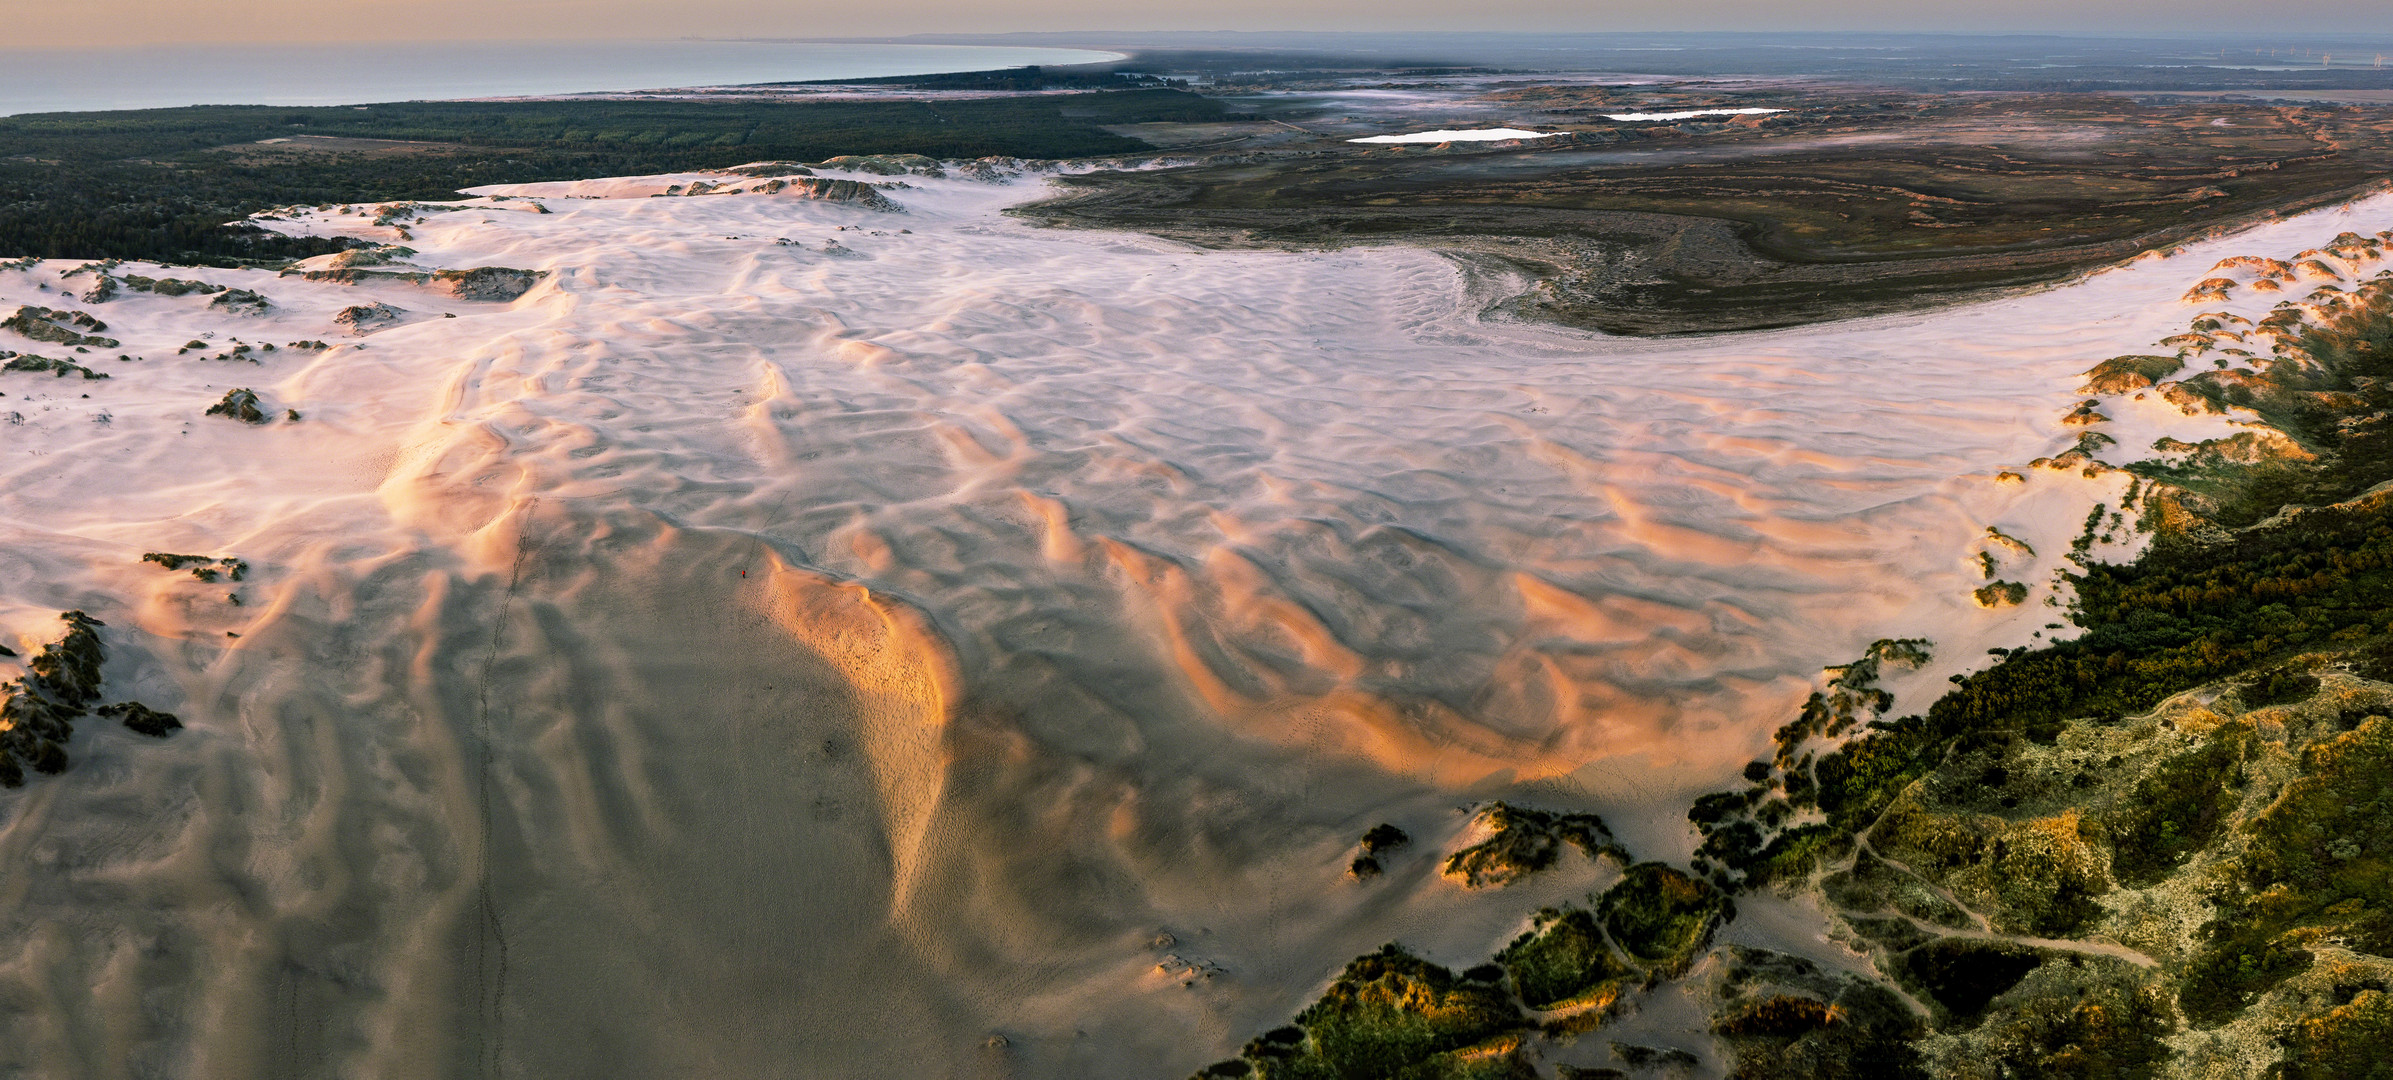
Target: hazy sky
{"points": [[45, 23]]}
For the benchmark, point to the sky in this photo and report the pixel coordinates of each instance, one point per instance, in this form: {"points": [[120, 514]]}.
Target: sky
{"points": [[48, 24]]}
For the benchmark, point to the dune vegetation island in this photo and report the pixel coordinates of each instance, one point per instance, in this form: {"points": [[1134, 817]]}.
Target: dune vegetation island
{"points": [[2162, 847], [60, 684]]}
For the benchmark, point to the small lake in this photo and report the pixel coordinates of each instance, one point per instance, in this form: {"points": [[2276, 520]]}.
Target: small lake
{"points": [[77, 80]]}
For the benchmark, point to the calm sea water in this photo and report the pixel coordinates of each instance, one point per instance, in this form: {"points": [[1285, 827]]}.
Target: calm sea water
{"points": [[64, 80]]}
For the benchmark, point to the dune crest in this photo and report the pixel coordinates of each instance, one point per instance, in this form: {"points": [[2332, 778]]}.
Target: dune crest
{"points": [[904, 684]]}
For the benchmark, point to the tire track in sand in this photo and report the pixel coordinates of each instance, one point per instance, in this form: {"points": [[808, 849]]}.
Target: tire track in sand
{"points": [[490, 937]]}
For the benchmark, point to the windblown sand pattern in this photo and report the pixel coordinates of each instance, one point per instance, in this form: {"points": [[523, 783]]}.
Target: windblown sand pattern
{"points": [[971, 650]]}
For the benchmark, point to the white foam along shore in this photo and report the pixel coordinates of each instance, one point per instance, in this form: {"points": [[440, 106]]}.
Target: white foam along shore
{"points": [[1468, 135], [843, 637]]}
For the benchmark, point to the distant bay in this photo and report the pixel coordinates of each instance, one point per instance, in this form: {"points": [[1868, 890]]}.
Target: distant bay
{"points": [[79, 80]]}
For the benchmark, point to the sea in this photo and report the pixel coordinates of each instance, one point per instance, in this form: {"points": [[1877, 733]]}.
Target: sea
{"points": [[81, 80]]}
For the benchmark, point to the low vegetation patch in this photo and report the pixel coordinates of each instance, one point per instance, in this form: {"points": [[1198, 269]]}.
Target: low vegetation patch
{"points": [[61, 684], [240, 404], [159, 184]]}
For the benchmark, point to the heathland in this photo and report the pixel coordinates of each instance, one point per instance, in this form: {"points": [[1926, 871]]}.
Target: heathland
{"points": [[161, 184]]}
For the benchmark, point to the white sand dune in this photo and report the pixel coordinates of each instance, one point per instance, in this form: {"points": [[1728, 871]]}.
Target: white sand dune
{"points": [[1463, 135], [1688, 114], [970, 653]]}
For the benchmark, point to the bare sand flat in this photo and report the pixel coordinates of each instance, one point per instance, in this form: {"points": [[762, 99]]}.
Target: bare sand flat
{"points": [[795, 639]]}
